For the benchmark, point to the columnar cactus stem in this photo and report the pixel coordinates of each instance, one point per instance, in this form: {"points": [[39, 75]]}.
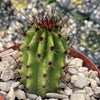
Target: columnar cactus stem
{"points": [[44, 50]]}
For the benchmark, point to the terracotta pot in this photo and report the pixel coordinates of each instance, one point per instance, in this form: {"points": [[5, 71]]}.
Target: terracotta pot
{"points": [[86, 61], [1, 98]]}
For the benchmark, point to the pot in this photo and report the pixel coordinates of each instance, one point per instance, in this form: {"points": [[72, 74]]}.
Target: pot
{"points": [[74, 53]]}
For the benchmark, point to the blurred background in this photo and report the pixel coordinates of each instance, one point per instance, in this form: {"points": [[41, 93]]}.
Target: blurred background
{"points": [[83, 22]]}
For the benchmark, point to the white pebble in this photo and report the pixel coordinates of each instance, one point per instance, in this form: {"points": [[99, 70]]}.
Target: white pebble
{"points": [[77, 97], [11, 94], [20, 94], [74, 78]]}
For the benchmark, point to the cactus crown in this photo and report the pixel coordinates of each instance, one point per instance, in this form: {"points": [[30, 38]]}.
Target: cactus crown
{"points": [[44, 50]]}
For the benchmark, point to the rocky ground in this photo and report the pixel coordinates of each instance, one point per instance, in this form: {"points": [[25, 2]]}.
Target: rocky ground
{"points": [[79, 83], [11, 23]]}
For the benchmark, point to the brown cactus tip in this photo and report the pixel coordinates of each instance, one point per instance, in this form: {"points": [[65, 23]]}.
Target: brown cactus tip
{"points": [[47, 21]]}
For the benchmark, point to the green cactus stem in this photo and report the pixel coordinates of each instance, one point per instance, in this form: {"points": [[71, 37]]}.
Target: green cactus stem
{"points": [[44, 50]]}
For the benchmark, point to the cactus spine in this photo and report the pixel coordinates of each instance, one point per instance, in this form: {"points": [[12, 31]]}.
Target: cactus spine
{"points": [[44, 50]]}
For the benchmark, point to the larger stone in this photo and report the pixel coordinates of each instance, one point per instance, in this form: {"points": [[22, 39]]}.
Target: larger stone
{"points": [[88, 91], [7, 74], [82, 82], [93, 74], [77, 97], [93, 83], [97, 90], [3, 94], [11, 94], [72, 70], [4, 86], [31, 96], [74, 78], [55, 95], [13, 84], [16, 54], [20, 94], [6, 53], [76, 62], [10, 60]]}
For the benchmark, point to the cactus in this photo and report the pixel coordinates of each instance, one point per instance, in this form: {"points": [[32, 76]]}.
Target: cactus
{"points": [[43, 55]]}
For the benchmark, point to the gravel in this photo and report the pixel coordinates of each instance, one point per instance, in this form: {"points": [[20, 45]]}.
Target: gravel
{"points": [[75, 86]]}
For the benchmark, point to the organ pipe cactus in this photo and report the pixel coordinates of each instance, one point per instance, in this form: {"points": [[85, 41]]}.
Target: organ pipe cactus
{"points": [[43, 55]]}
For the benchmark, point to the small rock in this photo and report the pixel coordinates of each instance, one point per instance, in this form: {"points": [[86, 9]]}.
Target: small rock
{"points": [[55, 95], [39, 98], [93, 83], [3, 65], [7, 74], [94, 74], [11, 94], [82, 82], [77, 97], [65, 99], [16, 54], [68, 92], [87, 74], [70, 85], [62, 92], [68, 59], [52, 99], [76, 62], [20, 94], [10, 60], [21, 86], [79, 92], [72, 70], [82, 69], [92, 98], [80, 75], [74, 78], [87, 97], [5, 53], [97, 80], [62, 85], [97, 90], [31, 96], [13, 84], [88, 91], [4, 86], [67, 77], [28, 99], [3, 94]]}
